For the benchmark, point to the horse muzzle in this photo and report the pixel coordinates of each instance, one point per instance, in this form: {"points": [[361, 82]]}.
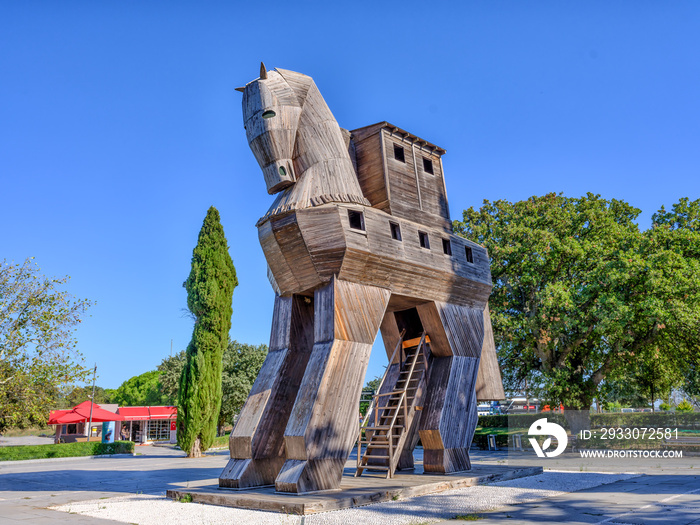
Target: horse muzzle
{"points": [[279, 175]]}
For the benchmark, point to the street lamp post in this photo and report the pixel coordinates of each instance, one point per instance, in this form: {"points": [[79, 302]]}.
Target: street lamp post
{"points": [[92, 402]]}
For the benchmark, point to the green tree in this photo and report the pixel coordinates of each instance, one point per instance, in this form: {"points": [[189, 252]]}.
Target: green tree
{"points": [[678, 231], [651, 377], [83, 393], [241, 365], [210, 288], [170, 372], [684, 215], [580, 293], [372, 385], [38, 354], [141, 390]]}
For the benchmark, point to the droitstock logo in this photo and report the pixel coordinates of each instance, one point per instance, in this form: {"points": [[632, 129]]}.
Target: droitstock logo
{"points": [[542, 427]]}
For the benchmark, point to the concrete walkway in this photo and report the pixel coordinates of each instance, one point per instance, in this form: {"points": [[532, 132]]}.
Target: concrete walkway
{"points": [[26, 490], [657, 499], [661, 495]]}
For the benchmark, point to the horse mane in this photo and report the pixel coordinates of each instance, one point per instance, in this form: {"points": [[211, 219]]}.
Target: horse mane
{"points": [[324, 170]]}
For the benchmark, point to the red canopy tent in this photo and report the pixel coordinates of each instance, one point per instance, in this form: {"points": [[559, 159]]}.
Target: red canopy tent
{"points": [[81, 413]]}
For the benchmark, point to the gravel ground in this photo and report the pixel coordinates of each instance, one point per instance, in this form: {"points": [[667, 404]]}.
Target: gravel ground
{"points": [[154, 510], [6, 441]]}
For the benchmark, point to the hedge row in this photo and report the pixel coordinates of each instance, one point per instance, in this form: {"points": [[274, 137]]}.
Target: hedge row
{"points": [[689, 421], [221, 441], [65, 450]]}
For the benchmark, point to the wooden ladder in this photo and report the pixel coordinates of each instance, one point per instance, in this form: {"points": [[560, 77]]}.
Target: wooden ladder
{"points": [[390, 414]]}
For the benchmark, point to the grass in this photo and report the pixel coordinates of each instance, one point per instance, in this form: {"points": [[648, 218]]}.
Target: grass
{"points": [[468, 517], [65, 450], [187, 498]]}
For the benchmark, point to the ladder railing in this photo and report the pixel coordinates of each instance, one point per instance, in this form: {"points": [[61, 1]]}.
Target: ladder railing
{"points": [[373, 404], [385, 415]]}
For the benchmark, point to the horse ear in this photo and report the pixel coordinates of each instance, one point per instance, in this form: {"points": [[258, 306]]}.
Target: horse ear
{"points": [[241, 89], [263, 71]]}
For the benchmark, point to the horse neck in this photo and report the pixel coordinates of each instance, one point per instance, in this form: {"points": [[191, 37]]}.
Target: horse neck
{"points": [[322, 164], [318, 137]]}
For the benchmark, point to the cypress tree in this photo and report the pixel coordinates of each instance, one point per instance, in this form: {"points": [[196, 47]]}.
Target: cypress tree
{"points": [[209, 296]]}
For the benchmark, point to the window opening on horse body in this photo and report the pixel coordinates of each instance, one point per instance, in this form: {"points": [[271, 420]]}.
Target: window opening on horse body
{"points": [[357, 220], [424, 242], [268, 114], [447, 247], [395, 231], [470, 256], [398, 153]]}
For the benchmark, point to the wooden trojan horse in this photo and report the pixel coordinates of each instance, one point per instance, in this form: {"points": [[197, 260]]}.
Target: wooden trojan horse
{"points": [[358, 240]]}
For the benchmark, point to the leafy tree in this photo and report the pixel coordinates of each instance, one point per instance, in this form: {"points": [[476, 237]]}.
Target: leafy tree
{"points": [[373, 384], [684, 215], [653, 376], [371, 387], [141, 390], [241, 365], [678, 231], [83, 393], [581, 294], [170, 371], [210, 288], [38, 354]]}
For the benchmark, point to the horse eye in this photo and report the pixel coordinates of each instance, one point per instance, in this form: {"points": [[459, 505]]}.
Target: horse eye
{"points": [[268, 114]]}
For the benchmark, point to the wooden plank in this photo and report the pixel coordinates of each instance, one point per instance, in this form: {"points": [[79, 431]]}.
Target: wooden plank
{"points": [[445, 432], [489, 385], [323, 424], [257, 441], [353, 492]]}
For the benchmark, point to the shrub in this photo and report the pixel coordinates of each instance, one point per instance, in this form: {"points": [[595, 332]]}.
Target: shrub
{"points": [[665, 407], [65, 450], [522, 421], [684, 406], [680, 419]]}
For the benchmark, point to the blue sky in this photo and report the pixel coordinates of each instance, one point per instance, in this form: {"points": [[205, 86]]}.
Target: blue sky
{"points": [[120, 126]]}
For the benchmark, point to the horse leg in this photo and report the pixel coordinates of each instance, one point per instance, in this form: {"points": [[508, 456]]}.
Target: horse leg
{"points": [[449, 414], [324, 425], [257, 442]]}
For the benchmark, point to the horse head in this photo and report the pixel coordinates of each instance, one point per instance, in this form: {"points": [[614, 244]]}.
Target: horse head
{"points": [[297, 142], [271, 111]]}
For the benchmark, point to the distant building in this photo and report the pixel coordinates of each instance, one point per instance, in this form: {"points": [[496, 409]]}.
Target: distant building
{"points": [[141, 425]]}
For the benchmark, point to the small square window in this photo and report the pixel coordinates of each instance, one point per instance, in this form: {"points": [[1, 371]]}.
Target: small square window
{"points": [[395, 231], [357, 220], [427, 165], [447, 247], [470, 256], [398, 153], [424, 242]]}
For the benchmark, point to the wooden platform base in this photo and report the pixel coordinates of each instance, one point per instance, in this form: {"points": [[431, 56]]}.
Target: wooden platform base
{"points": [[353, 492]]}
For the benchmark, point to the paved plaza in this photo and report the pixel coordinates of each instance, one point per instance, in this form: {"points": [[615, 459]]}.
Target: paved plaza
{"points": [[657, 493]]}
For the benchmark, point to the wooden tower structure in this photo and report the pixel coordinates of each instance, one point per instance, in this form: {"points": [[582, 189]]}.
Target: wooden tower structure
{"points": [[358, 240]]}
